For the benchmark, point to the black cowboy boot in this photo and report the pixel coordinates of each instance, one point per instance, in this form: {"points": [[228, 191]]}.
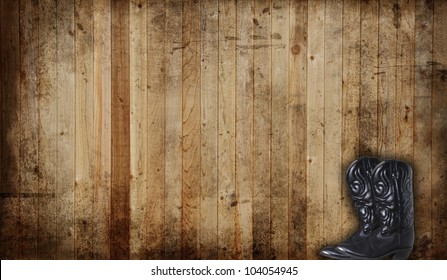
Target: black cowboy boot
{"points": [[359, 178], [393, 198]]}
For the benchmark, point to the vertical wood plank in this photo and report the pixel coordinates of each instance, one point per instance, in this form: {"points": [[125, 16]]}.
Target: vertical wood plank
{"points": [[29, 111], [120, 208], [47, 90], [315, 127], [262, 130], [155, 133], [101, 130], [10, 128], [191, 129], [423, 128], [173, 130], [332, 131], [209, 17], [84, 149], [65, 176], [405, 61], [227, 244], [138, 51], [439, 131], [351, 108], [279, 150], [369, 76], [389, 18], [297, 122], [244, 125]]}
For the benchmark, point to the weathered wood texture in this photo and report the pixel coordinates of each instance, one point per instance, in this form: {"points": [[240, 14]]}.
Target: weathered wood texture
{"points": [[213, 129]]}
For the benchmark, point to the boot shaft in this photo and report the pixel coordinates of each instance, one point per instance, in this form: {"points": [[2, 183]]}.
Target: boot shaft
{"points": [[393, 196]]}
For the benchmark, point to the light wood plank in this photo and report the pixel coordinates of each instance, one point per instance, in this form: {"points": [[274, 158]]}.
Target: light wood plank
{"points": [[84, 149], [369, 77], [423, 128], [262, 130], [47, 94], [389, 20], [439, 132], [173, 131], [156, 130], [29, 111], [244, 126], [405, 81], [279, 149], [297, 122], [315, 127], [139, 136], [332, 178], [350, 112], [102, 130], [120, 202], [191, 129], [65, 176], [227, 238], [209, 16]]}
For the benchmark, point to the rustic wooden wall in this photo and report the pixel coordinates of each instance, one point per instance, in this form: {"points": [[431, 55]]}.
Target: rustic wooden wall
{"points": [[213, 129]]}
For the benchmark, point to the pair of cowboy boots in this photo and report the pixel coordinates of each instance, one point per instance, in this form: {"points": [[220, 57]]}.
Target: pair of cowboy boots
{"points": [[382, 192]]}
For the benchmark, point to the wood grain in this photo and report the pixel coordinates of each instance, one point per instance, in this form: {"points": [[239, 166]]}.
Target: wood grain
{"points": [[84, 125], [350, 142], [333, 172], [315, 127], [120, 201], [213, 129], [422, 119], [227, 245], [191, 111], [139, 154], [156, 84], [209, 40], [439, 131], [297, 123], [262, 130], [65, 179]]}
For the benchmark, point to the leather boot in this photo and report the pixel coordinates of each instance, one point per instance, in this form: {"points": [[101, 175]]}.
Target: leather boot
{"points": [[393, 199], [359, 179]]}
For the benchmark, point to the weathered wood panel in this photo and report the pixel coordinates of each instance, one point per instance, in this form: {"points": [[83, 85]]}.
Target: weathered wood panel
{"points": [[213, 129]]}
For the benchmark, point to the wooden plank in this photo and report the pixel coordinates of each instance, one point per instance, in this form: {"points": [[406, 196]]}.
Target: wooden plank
{"points": [[389, 20], [120, 208], [102, 130], [315, 127], [47, 94], [262, 130], [350, 112], [244, 126], [439, 131], [332, 178], [66, 130], [10, 128], [209, 13], [173, 131], [29, 111], [422, 128], [227, 239], [156, 121], [84, 148], [139, 130], [405, 81], [297, 122], [369, 76], [191, 129], [279, 128]]}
